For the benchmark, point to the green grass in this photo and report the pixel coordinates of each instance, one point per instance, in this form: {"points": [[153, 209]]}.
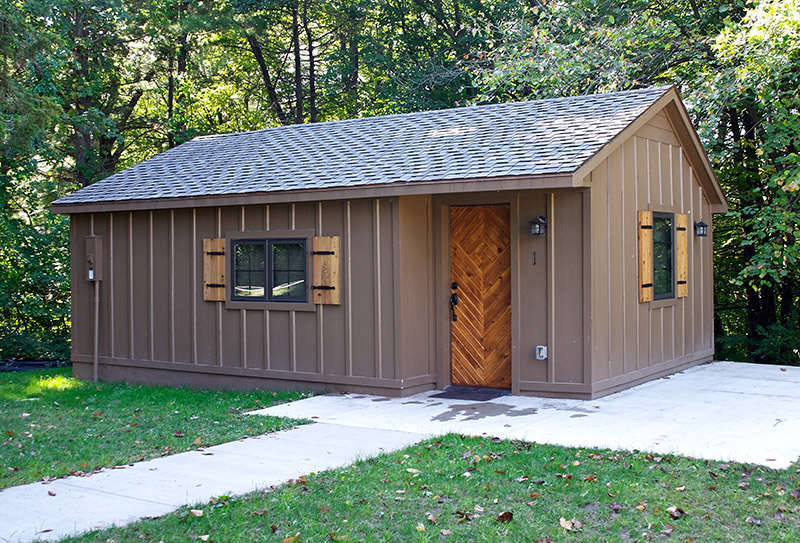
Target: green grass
{"points": [[456, 489], [52, 425]]}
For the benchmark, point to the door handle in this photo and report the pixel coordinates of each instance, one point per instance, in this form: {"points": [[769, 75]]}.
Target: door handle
{"points": [[453, 304]]}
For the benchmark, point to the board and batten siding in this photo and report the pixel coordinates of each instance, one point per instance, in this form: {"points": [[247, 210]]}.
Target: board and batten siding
{"points": [[153, 316], [634, 341]]}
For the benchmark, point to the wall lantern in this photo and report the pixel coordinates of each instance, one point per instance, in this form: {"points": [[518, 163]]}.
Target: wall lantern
{"points": [[538, 226], [700, 229]]}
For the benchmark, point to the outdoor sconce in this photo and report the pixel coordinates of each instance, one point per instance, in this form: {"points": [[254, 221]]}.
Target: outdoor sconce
{"points": [[538, 226], [700, 229]]}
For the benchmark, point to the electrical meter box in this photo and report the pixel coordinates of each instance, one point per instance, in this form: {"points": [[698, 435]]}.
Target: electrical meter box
{"points": [[94, 258]]}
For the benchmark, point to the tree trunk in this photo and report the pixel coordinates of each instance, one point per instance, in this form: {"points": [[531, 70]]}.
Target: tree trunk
{"points": [[312, 82], [298, 65], [83, 102], [274, 102]]}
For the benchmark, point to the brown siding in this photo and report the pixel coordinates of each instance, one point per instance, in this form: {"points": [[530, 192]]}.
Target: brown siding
{"points": [[153, 315], [632, 340]]}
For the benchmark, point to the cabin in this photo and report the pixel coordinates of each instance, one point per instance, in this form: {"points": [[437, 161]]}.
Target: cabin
{"points": [[557, 248]]}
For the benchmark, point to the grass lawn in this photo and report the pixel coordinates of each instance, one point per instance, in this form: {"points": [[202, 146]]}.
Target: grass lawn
{"points": [[471, 489], [52, 425]]}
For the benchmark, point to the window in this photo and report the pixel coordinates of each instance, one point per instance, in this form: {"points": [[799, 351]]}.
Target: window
{"points": [[663, 256], [663, 260], [271, 270]]}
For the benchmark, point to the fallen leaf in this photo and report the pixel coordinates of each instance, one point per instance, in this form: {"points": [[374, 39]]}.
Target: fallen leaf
{"points": [[596, 456], [589, 479], [413, 470], [506, 516], [179, 434], [445, 532], [535, 495], [479, 509], [197, 441], [334, 537], [84, 464], [545, 540], [668, 529], [680, 489], [51, 493], [324, 509], [196, 512], [795, 494], [642, 506], [431, 517], [292, 539], [616, 507], [420, 527], [521, 479], [675, 512], [96, 414], [259, 513], [753, 521], [203, 537]]}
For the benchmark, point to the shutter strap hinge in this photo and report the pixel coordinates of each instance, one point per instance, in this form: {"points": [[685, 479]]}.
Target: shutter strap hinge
{"points": [[680, 228], [322, 253], [682, 282], [647, 227], [215, 253], [647, 285], [322, 287], [215, 285]]}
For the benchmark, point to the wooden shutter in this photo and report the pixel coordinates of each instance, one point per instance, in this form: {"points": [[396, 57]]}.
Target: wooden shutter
{"points": [[645, 256], [682, 254], [214, 269], [325, 287]]}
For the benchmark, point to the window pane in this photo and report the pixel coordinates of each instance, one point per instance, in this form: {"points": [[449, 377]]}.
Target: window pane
{"points": [[249, 270], [289, 270], [662, 256]]}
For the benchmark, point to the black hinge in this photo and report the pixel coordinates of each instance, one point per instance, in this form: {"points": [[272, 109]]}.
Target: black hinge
{"points": [[682, 282], [322, 287], [647, 285], [215, 253], [680, 228], [215, 285], [647, 227], [322, 253]]}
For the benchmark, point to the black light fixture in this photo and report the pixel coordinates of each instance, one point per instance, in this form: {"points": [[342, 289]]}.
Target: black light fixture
{"points": [[538, 226], [700, 229]]}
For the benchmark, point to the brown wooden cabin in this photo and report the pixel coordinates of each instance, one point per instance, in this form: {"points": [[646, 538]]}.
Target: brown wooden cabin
{"points": [[327, 256]]}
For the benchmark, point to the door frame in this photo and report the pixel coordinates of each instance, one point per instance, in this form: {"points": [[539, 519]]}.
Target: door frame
{"points": [[441, 205]]}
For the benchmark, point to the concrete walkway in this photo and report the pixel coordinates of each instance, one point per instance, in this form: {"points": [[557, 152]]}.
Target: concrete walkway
{"points": [[119, 496], [721, 411]]}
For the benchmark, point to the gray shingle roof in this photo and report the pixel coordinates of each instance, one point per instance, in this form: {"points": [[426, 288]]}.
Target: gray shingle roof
{"points": [[553, 136]]}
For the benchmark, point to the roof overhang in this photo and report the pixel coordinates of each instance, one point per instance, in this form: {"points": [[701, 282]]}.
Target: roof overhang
{"points": [[550, 182], [678, 117]]}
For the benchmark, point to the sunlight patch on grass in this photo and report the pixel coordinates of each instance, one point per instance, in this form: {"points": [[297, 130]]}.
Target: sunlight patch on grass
{"points": [[53, 382]]}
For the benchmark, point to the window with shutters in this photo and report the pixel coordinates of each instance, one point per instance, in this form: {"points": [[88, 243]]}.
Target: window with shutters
{"points": [[272, 270], [663, 256]]}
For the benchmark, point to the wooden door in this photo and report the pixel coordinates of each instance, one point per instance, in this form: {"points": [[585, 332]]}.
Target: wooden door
{"points": [[480, 266]]}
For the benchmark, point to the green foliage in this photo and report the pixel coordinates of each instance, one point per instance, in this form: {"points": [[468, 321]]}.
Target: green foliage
{"points": [[54, 424]]}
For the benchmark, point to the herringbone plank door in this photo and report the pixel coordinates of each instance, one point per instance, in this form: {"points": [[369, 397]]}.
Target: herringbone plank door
{"points": [[480, 261]]}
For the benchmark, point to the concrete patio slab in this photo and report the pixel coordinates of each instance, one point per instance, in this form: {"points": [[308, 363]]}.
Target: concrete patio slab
{"points": [[720, 411], [118, 496]]}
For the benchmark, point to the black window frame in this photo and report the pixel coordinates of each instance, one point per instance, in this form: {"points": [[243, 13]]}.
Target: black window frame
{"points": [[672, 291], [268, 244]]}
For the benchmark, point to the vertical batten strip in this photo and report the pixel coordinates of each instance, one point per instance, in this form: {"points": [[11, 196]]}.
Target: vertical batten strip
{"points": [[194, 282], [551, 287], [172, 285], [242, 312], [320, 308], [111, 326], [516, 305], [219, 360], [609, 326], [293, 315], [622, 238], [130, 285], [636, 205], [376, 232], [349, 295], [151, 338], [266, 311]]}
